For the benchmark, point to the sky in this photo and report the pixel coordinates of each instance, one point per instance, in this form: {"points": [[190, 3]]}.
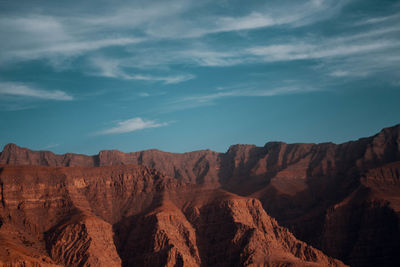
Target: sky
{"points": [[84, 76]]}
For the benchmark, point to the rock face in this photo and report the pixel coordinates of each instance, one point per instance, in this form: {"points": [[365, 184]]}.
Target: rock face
{"points": [[342, 199], [83, 240], [135, 216]]}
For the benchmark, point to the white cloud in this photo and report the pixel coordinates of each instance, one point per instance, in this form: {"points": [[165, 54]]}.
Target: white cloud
{"points": [[348, 73], [132, 125], [166, 79], [153, 94], [368, 35], [285, 52], [209, 58], [21, 90], [32, 31], [252, 21], [293, 14], [194, 53], [33, 35], [188, 102], [361, 66], [247, 92], [354, 56], [51, 145], [135, 16], [311, 47], [282, 52], [317, 3], [376, 20], [340, 73], [112, 68], [68, 48], [199, 27], [46, 36], [141, 29]]}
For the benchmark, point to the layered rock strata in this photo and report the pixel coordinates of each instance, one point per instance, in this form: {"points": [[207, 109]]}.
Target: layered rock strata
{"points": [[135, 216]]}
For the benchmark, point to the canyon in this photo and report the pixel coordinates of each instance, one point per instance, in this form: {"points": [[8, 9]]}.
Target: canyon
{"points": [[249, 206]]}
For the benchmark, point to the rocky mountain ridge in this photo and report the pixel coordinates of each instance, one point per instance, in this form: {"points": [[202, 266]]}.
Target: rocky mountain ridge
{"points": [[342, 199]]}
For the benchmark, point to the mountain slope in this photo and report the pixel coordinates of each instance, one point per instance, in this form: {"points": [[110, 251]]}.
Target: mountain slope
{"points": [[133, 215]]}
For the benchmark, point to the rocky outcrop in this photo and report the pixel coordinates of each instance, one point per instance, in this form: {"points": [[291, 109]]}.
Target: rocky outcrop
{"points": [[15, 155], [133, 215], [83, 240], [18, 248], [239, 231], [313, 189]]}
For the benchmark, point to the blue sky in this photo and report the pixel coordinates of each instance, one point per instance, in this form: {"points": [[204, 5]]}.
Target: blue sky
{"points": [[187, 75]]}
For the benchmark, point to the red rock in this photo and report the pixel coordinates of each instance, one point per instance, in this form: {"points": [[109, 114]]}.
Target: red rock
{"points": [[133, 215], [313, 189]]}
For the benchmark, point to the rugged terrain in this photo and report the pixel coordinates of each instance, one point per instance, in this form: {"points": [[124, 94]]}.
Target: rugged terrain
{"points": [[134, 216], [342, 199]]}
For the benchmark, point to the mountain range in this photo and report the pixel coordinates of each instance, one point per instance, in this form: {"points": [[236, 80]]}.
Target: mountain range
{"points": [[249, 206]]}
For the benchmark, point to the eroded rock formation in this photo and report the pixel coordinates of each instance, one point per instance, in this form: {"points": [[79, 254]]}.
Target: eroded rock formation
{"points": [[134, 216], [342, 199]]}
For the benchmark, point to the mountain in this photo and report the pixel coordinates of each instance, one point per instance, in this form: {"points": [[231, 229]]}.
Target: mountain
{"points": [[342, 199], [135, 216]]}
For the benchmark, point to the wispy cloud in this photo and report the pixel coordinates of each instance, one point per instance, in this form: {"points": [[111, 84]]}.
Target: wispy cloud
{"points": [[48, 34], [357, 55], [376, 20], [361, 67], [349, 73], [252, 21], [145, 37], [144, 94], [113, 68], [340, 73], [166, 79], [152, 94], [308, 51], [369, 35], [209, 58], [220, 24], [131, 125], [51, 145], [246, 92], [344, 46], [71, 48], [194, 101], [133, 15], [188, 54], [267, 15], [21, 90], [45, 36]]}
